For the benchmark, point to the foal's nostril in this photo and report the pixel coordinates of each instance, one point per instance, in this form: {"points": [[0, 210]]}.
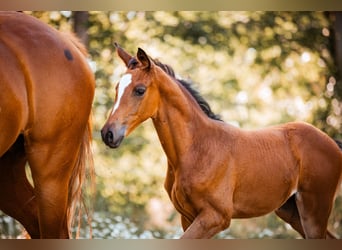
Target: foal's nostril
{"points": [[109, 137], [112, 136]]}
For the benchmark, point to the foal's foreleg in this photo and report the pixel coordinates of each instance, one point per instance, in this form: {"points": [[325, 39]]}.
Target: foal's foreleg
{"points": [[206, 225]]}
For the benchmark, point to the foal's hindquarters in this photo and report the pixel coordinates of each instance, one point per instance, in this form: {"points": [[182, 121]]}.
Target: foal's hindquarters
{"points": [[320, 162], [299, 166]]}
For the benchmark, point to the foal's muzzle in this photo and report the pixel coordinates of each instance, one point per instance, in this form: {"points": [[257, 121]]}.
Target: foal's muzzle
{"points": [[112, 136]]}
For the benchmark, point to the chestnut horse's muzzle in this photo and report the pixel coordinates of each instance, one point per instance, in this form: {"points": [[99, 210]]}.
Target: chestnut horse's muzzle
{"points": [[113, 135]]}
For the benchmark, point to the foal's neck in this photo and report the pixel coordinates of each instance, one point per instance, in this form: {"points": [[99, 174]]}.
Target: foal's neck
{"points": [[179, 119]]}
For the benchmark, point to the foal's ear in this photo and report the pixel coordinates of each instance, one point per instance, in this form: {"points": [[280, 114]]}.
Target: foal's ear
{"points": [[123, 54], [144, 59]]}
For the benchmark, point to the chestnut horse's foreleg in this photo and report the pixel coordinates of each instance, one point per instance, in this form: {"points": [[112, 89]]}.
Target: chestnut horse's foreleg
{"points": [[17, 197], [206, 225]]}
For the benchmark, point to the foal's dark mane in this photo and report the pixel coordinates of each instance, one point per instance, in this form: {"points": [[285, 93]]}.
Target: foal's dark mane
{"points": [[188, 86]]}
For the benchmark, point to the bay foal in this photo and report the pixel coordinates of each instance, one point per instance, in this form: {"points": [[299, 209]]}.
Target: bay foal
{"points": [[216, 171]]}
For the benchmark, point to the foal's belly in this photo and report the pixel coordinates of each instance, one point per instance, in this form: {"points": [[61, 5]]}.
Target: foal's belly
{"points": [[264, 191]]}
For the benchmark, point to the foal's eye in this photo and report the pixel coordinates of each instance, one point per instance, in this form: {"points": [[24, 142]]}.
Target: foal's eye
{"points": [[139, 90]]}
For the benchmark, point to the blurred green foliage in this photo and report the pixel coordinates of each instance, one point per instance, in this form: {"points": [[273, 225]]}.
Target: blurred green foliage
{"points": [[254, 68]]}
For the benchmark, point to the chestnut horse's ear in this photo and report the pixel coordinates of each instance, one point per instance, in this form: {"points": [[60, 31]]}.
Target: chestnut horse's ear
{"points": [[144, 59], [123, 54]]}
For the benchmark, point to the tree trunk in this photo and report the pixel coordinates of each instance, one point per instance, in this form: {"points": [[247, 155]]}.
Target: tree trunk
{"points": [[81, 25], [336, 50], [338, 40]]}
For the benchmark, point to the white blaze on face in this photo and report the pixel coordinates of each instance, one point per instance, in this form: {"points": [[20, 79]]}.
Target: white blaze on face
{"points": [[125, 81]]}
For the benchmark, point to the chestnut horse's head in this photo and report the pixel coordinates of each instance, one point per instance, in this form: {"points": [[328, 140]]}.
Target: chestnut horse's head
{"points": [[136, 98]]}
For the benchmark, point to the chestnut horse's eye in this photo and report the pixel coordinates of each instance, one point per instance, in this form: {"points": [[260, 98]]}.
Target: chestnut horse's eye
{"points": [[139, 90]]}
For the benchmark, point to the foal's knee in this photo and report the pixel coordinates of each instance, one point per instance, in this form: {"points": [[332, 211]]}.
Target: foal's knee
{"points": [[206, 225], [217, 222]]}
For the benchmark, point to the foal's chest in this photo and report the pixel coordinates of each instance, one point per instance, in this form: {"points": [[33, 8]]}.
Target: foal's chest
{"points": [[179, 195]]}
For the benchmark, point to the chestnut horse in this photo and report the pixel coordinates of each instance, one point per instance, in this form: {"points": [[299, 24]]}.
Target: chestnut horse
{"points": [[216, 171], [46, 94]]}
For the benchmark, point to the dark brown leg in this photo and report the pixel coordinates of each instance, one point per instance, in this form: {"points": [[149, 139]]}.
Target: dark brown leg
{"points": [[289, 213], [17, 197]]}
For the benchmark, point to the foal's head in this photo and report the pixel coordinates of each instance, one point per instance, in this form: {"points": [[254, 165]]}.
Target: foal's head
{"points": [[136, 98]]}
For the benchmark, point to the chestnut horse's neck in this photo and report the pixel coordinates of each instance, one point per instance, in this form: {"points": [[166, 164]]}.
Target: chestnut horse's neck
{"points": [[179, 119]]}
